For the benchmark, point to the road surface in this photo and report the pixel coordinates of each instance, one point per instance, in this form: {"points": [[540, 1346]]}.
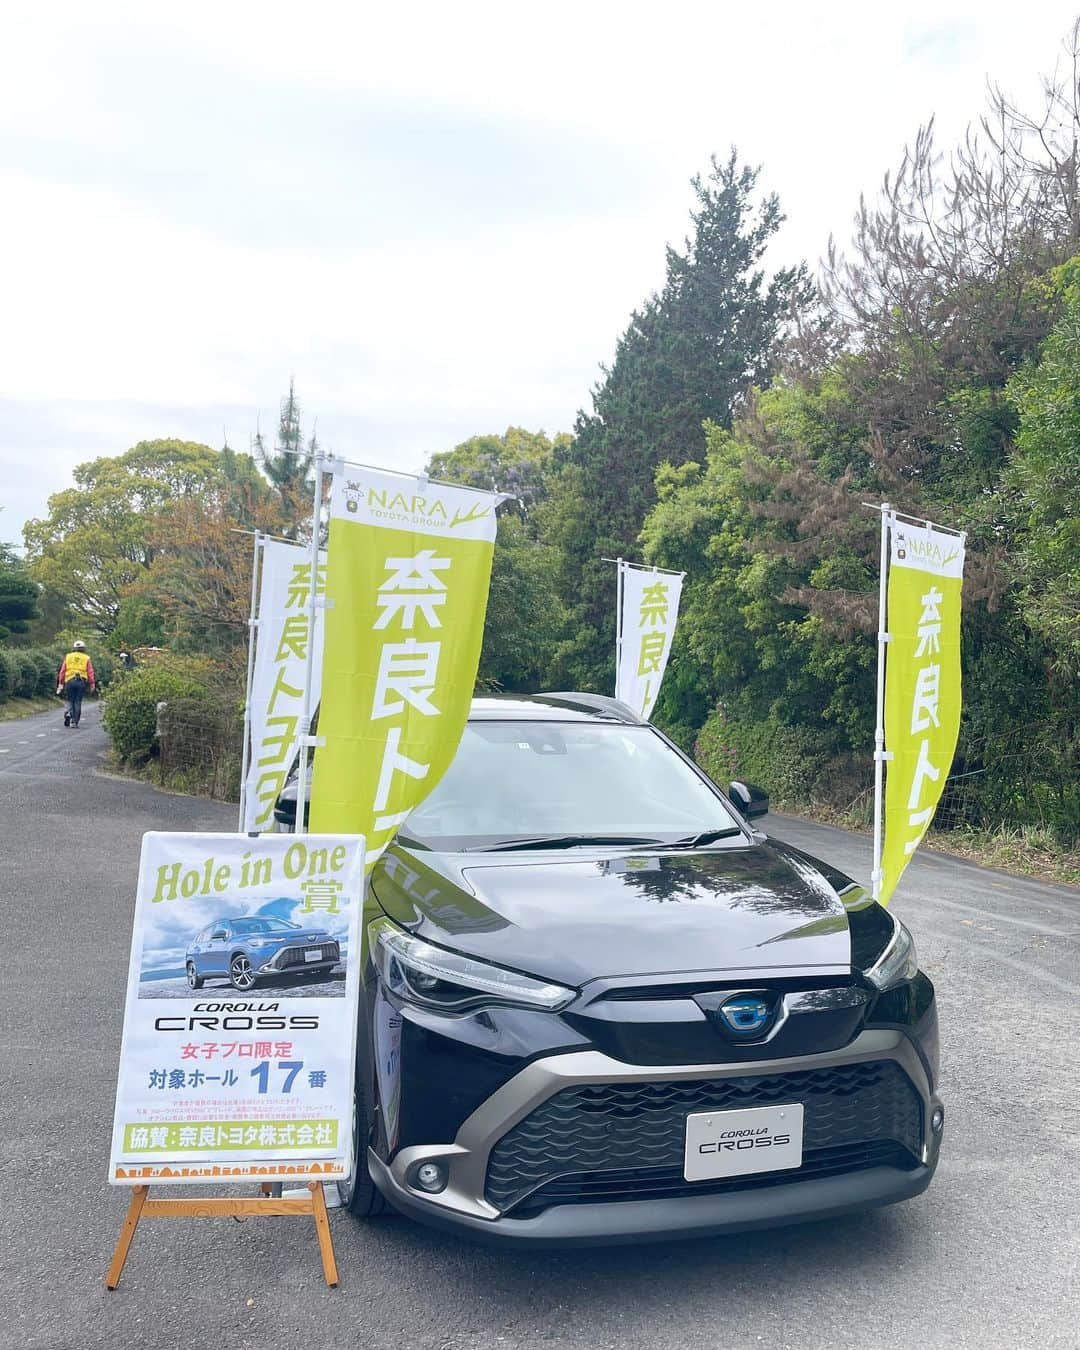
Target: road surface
{"points": [[989, 1257]]}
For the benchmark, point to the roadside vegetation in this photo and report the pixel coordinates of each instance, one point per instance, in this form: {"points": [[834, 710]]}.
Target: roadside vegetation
{"points": [[751, 406]]}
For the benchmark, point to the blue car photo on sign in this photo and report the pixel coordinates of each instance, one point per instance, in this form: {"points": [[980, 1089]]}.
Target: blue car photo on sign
{"points": [[226, 945]]}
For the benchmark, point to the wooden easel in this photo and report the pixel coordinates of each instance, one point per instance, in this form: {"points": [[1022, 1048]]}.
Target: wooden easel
{"points": [[216, 1206]]}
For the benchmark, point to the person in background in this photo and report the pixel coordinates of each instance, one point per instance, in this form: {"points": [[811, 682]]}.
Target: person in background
{"points": [[73, 679]]}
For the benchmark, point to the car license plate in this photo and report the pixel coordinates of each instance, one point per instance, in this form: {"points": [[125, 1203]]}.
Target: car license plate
{"points": [[313, 954], [737, 1143]]}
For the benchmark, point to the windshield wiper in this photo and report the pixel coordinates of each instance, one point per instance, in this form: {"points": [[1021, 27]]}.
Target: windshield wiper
{"points": [[562, 841], [705, 837]]}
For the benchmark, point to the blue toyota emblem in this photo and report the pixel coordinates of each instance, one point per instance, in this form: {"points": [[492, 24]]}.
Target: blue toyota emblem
{"points": [[746, 1015]]}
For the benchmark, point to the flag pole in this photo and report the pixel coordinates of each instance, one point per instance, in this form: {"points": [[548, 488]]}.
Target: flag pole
{"points": [[618, 620], [307, 741], [879, 723], [253, 624]]}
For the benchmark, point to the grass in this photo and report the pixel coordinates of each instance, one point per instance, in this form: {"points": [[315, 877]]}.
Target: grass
{"points": [[14, 708], [1028, 850]]}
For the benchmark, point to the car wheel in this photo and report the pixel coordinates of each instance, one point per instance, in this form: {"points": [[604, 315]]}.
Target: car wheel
{"points": [[194, 981], [240, 973], [359, 1194]]}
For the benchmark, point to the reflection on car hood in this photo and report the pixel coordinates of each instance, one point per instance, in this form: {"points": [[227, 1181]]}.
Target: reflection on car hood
{"points": [[586, 914]]}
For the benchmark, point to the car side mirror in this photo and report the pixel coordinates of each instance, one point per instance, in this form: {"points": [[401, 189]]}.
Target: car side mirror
{"points": [[219, 934], [752, 801]]}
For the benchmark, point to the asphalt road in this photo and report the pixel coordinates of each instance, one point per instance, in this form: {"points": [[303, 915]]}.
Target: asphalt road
{"points": [[989, 1257]]}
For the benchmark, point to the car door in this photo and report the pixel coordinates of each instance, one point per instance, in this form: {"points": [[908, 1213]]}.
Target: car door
{"points": [[216, 958]]}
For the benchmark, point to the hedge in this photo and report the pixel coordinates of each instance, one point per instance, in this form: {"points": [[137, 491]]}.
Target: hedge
{"points": [[9, 674], [130, 714], [788, 762]]}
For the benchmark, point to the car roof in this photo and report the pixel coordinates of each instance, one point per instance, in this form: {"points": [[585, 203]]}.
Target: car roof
{"points": [[562, 706]]}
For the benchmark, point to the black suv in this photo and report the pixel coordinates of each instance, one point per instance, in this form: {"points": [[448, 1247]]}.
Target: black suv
{"points": [[601, 1007]]}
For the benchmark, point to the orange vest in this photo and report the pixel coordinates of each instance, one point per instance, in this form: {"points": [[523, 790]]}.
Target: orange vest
{"points": [[76, 663]]}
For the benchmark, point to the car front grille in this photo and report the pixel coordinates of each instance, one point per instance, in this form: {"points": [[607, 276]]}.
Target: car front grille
{"points": [[621, 1141], [295, 956]]}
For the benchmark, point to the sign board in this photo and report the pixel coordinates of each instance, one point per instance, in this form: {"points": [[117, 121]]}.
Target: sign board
{"points": [[239, 1037], [278, 675], [408, 567], [648, 611], [922, 697]]}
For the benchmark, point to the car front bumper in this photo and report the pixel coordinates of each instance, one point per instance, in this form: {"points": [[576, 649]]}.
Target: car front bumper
{"points": [[465, 1203]]}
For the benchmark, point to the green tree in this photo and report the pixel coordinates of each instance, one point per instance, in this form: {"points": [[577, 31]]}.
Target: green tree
{"points": [[525, 616], [288, 463], [518, 462], [97, 540], [18, 595], [688, 356], [1041, 486]]}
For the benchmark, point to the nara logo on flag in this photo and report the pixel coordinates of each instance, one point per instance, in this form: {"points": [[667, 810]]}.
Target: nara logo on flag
{"points": [[275, 705], [407, 580], [648, 610], [922, 684]]}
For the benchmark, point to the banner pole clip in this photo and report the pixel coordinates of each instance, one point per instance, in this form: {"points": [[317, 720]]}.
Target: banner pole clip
{"points": [[883, 755]]}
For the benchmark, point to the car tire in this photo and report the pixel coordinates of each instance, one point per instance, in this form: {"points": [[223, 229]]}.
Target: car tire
{"points": [[241, 975], [359, 1195], [194, 981]]}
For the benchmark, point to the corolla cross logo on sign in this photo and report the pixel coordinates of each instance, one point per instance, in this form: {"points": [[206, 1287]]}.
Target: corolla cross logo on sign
{"points": [[746, 1015]]}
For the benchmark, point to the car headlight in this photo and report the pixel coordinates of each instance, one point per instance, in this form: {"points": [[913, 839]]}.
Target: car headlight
{"points": [[263, 942], [897, 963], [419, 972]]}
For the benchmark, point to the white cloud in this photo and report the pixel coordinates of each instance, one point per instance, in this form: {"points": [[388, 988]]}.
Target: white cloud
{"points": [[437, 217]]}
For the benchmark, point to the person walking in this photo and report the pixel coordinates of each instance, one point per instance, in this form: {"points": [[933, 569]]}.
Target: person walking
{"points": [[73, 679]]}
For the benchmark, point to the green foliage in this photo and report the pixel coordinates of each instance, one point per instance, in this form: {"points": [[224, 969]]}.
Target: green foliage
{"points": [[787, 761], [9, 674], [288, 463], [130, 713], [518, 462], [687, 357], [524, 614], [98, 538], [19, 598], [1041, 487]]}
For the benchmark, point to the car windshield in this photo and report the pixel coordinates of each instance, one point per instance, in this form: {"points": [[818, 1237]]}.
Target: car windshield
{"points": [[561, 781], [262, 926]]}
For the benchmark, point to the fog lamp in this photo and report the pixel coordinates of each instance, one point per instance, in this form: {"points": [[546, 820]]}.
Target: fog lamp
{"points": [[937, 1120], [430, 1177]]}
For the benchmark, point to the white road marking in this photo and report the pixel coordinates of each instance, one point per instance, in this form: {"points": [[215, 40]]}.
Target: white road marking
{"points": [[40, 734], [6, 750]]}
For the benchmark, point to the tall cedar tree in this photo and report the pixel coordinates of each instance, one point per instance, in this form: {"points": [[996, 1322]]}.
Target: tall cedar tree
{"points": [[687, 356], [288, 464]]}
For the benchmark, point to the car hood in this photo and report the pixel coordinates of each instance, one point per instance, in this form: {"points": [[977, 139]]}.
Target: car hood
{"points": [[573, 917]]}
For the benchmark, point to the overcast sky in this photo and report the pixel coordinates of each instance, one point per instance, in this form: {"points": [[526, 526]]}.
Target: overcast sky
{"points": [[438, 217]]}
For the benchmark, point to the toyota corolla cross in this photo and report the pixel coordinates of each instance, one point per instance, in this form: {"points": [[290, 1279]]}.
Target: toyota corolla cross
{"points": [[601, 1007], [258, 947]]}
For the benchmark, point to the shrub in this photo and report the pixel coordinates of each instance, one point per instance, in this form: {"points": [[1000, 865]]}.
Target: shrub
{"points": [[787, 761], [9, 674], [130, 714], [46, 670], [27, 677]]}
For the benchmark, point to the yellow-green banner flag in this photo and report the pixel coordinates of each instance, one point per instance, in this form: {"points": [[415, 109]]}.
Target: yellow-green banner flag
{"points": [[408, 566], [922, 685]]}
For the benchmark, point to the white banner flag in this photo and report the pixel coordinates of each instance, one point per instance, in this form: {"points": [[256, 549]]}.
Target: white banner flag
{"points": [[239, 1039], [277, 682], [649, 610]]}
